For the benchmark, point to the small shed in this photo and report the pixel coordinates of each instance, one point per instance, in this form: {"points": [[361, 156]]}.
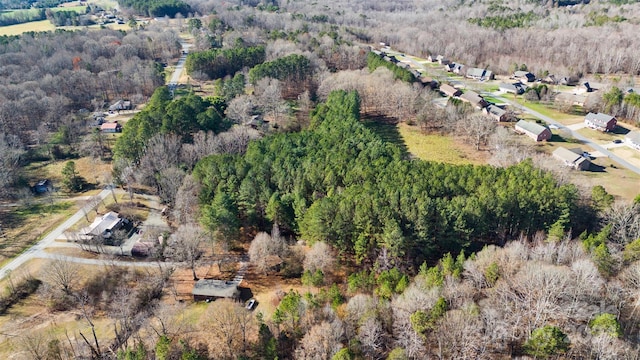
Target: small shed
{"points": [[533, 130], [633, 139], [212, 289], [600, 121], [572, 158], [450, 90]]}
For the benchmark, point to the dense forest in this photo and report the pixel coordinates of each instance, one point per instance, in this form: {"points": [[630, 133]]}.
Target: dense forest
{"points": [[337, 182], [157, 8]]}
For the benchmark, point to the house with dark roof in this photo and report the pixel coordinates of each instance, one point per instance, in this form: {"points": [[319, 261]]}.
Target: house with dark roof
{"points": [[600, 121], [474, 99], [212, 289], [479, 74], [120, 105], [442, 60], [632, 139], [427, 81], [524, 76], [450, 90], [533, 130], [515, 88], [572, 158], [496, 112]]}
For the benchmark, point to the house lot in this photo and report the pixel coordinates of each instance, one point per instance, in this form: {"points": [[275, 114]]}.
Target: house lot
{"points": [[600, 121], [533, 130], [572, 158], [632, 139]]}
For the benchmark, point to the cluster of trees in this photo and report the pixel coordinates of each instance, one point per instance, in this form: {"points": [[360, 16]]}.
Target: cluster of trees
{"points": [[292, 68], [618, 103], [183, 117], [502, 22], [158, 8], [218, 63], [340, 183], [19, 17], [47, 78], [374, 61]]}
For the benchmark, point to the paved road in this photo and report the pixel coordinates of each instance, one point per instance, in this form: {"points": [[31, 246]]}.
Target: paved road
{"points": [[37, 250], [180, 66], [600, 148]]}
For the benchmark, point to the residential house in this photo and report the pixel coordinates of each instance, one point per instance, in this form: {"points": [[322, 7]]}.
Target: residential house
{"points": [[432, 58], [458, 69], [515, 88], [120, 105], [497, 113], [572, 158], [474, 99], [43, 186], [570, 99], [103, 225], [585, 87], [442, 60], [551, 80], [427, 81], [533, 130], [211, 289], [113, 127], [524, 76], [632, 139], [450, 90], [479, 74], [600, 121]]}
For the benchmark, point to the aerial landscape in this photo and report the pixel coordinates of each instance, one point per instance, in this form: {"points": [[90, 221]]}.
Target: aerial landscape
{"points": [[304, 179]]}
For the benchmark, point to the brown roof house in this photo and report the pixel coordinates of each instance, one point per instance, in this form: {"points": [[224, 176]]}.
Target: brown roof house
{"points": [[535, 131], [572, 158], [600, 121], [497, 113], [633, 139], [450, 90], [212, 289], [474, 99]]}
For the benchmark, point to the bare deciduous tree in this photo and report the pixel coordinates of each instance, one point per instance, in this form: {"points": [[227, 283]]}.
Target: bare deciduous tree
{"points": [[185, 245], [319, 258], [321, 342], [63, 274], [265, 250]]}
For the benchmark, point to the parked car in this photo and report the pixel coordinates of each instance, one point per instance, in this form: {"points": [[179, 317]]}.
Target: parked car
{"points": [[250, 304], [586, 154], [617, 141]]}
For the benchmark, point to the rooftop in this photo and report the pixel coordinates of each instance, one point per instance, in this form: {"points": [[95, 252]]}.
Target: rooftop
{"points": [[531, 127], [215, 288]]}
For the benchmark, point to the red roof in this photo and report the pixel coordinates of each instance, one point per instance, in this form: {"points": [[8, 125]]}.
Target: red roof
{"points": [[109, 126]]}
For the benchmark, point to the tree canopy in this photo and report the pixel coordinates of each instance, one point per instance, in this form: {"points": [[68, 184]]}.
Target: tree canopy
{"points": [[218, 63], [340, 183], [183, 117]]}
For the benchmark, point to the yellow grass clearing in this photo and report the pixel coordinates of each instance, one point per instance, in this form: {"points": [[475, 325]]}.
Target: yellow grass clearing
{"points": [[441, 148], [42, 25]]}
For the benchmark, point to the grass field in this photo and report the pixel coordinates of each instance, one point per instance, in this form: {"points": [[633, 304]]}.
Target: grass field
{"points": [[42, 25], [440, 148], [566, 119]]}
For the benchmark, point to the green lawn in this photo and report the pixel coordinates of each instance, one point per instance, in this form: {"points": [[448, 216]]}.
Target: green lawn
{"points": [[440, 148]]}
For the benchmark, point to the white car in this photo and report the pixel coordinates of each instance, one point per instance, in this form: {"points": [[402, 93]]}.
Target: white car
{"points": [[250, 304]]}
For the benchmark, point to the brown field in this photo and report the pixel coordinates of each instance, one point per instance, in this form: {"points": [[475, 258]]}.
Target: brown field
{"points": [[42, 25]]}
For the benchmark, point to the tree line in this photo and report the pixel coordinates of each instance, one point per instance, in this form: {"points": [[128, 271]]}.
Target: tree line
{"points": [[218, 63], [158, 8], [340, 183]]}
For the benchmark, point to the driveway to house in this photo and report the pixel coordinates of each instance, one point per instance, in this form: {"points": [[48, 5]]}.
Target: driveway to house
{"points": [[599, 148], [37, 250], [180, 66]]}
